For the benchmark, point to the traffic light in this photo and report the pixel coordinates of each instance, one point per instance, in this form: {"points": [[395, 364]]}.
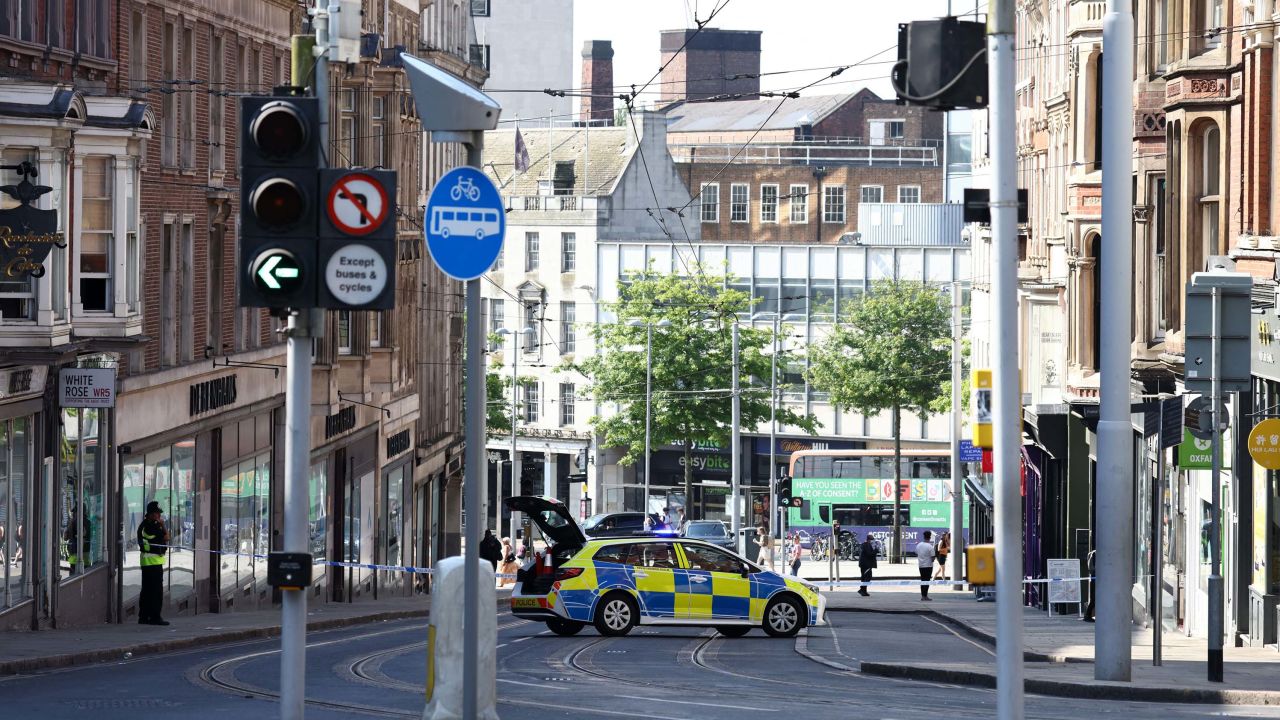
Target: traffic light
{"points": [[280, 159], [784, 491], [357, 254]]}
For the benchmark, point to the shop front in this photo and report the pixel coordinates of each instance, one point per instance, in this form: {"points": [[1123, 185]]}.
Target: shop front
{"points": [[345, 486], [21, 470], [1263, 568], [206, 447]]}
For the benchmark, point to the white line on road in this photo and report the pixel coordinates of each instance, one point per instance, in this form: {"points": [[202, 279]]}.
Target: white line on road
{"points": [[689, 702]]}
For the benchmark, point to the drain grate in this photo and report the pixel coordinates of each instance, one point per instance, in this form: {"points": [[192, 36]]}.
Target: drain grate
{"points": [[120, 703]]}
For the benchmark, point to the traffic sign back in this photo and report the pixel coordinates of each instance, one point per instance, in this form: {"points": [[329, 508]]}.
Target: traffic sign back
{"points": [[465, 223]]}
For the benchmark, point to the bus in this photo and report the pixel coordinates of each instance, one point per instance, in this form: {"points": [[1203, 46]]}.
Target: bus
{"points": [[857, 486], [477, 222]]}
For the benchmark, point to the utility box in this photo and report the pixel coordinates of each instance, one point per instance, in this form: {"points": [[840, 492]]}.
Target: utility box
{"points": [[981, 564], [942, 64]]}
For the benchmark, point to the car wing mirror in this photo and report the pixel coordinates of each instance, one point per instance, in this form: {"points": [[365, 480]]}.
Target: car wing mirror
{"points": [[746, 571]]}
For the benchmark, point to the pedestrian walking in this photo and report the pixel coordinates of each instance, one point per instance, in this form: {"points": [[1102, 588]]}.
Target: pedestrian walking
{"points": [[766, 547], [868, 558], [944, 549], [491, 549], [152, 544], [925, 555], [1088, 564], [795, 554]]}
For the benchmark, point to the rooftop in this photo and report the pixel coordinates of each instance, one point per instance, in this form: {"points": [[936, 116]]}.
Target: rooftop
{"points": [[752, 115], [599, 155]]}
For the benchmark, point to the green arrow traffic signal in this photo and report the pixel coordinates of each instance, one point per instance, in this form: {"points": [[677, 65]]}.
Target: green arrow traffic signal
{"points": [[276, 271]]}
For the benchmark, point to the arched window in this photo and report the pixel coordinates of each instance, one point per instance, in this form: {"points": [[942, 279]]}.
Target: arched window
{"points": [[1208, 195]]}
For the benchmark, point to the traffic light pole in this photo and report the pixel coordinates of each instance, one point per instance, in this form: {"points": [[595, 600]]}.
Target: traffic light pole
{"points": [[297, 409]]}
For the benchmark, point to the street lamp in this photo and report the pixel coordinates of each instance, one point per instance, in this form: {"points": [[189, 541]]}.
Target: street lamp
{"points": [[773, 422], [648, 396], [515, 458]]}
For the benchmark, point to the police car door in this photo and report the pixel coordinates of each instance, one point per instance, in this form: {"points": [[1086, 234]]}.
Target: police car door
{"points": [[716, 587], [653, 570]]}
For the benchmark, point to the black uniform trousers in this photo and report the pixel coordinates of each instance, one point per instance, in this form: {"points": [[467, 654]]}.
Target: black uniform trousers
{"points": [[151, 598]]}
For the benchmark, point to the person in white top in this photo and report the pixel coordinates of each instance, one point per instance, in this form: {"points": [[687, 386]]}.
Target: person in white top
{"points": [[925, 553]]}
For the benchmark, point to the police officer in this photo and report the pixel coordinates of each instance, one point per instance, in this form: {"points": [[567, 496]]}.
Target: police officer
{"points": [[152, 544]]}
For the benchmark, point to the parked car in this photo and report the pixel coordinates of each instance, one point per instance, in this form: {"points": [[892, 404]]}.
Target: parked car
{"points": [[618, 583], [621, 524], [712, 531]]}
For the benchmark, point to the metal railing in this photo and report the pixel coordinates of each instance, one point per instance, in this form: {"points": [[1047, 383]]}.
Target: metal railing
{"points": [[551, 203]]}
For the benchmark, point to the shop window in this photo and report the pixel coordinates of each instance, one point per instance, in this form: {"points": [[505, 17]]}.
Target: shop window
{"points": [[246, 523], [16, 480], [393, 525], [82, 496], [165, 475], [318, 513]]}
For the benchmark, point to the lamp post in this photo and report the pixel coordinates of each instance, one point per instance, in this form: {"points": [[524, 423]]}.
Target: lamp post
{"points": [[648, 397], [775, 512], [515, 457]]}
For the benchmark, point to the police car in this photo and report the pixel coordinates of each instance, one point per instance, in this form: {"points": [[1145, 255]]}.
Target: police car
{"points": [[618, 583]]}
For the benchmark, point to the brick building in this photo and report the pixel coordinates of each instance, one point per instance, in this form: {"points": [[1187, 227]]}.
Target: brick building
{"points": [[812, 160], [698, 64], [128, 109]]}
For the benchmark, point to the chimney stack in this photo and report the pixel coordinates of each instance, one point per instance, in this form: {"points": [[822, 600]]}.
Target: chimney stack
{"points": [[597, 81], [713, 62]]}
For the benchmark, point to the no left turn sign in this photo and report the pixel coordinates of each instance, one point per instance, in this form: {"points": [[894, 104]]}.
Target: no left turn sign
{"points": [[357, 204]]}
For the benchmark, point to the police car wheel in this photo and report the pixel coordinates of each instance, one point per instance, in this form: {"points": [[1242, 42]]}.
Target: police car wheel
{"points": [[733, 630], [782, 618], [564, 627], [616, 615]]}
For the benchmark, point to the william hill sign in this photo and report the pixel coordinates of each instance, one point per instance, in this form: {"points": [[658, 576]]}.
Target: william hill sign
{"points": [[27, 234]]}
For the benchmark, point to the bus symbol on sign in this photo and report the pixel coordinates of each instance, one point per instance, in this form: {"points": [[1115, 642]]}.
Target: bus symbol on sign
{"points": [[466, 222]]}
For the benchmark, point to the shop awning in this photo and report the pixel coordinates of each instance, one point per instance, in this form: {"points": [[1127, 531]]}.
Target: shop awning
{"points": [[979, 493]]}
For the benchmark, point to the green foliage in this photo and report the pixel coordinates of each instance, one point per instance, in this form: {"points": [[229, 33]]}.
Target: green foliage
{"points": [[891, 350], [692, 365]]}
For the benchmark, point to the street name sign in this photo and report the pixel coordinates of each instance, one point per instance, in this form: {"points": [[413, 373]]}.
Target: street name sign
{"points": [[465, 223], [87, 387]]}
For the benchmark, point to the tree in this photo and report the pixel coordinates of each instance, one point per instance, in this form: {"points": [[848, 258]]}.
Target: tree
{"points": [[692, 368], [890, 352]]}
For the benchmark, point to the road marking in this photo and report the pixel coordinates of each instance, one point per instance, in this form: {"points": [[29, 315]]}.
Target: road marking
{"points": [[702, 704], [951, 630]]}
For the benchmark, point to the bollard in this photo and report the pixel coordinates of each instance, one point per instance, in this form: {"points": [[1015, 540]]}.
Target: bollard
{"points": [[444, 643]]}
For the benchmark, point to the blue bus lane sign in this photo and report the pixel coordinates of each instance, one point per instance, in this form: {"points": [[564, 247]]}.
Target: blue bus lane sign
{"points": [[465, 223]]}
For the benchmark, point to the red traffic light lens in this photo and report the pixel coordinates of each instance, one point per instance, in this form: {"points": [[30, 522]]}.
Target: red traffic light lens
{"points": [[278, 203], [278, 130]]}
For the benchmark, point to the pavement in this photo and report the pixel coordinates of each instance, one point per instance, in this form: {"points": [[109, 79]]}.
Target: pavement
{"points": [[1059, 653]]}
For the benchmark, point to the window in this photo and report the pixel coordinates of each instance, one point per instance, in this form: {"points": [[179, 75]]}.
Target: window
{"points": [[908, 193], [1158, 35], [188, 100], [799, 203], [380, 139], [768, 203], [344, 332], [567, 402], [375, 328], [137, 49], [1213, 23], [739, 201], [168, 295], [885, 130], [497, 316], [56, 23], [531, 321], [710, 199], [568, 329], [1210, 187], [530, 401], [217, 104], [833, 204], [186, 296], [479, 55], [214, 275], [92, 27], [568, 252], [530, 251], [168, 101], [96, 234], [871, 194], [497, 264], [1160, 279], [710, 559], [17, 294], [479, 8], [895, 129], [563, 179], [82, 512]]}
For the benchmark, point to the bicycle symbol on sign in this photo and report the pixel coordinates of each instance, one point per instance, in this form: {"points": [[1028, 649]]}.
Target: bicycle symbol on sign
{"points": [[467, 187]]}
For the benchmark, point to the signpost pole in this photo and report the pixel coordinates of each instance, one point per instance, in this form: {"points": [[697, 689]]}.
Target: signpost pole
{"points": [[472, 480], [957, 482], [1215, 496], [735, 521], [1157, 556]]}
